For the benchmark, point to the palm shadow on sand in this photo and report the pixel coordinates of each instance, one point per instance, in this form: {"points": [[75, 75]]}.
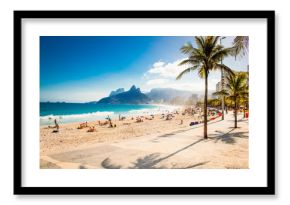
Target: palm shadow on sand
{"points": [[184, 130], [150, 161], [228, 137]]}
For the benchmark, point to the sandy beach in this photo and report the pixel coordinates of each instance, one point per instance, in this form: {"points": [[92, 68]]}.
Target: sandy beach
{"points": [[70, 136], [153, 143]]}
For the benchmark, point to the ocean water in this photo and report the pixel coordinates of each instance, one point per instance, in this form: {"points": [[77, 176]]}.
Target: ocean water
{"points": [[81, 112]]}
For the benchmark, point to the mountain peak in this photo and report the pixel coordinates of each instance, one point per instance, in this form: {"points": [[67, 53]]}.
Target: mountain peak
{"points": [[134, 88], [132, 96]]}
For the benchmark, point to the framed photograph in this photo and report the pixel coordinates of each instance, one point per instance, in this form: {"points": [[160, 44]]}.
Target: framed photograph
{"points": [[144, 102]]}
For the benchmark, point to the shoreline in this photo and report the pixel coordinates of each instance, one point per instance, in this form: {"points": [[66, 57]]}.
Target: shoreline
{"points": [[72, 135], [46, 120]]}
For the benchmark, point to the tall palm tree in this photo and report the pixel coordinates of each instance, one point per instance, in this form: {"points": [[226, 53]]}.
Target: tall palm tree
{"points": [[237, 91], [205, 58]]}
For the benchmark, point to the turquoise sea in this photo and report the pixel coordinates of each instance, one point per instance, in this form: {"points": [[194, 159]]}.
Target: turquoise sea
{"points": [[81, 112]]}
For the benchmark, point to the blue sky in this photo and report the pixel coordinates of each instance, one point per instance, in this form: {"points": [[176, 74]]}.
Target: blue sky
{"points": [[87, 68]]}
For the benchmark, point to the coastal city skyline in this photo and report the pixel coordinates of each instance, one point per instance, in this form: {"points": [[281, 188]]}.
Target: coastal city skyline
{"points": [[88, 68]]}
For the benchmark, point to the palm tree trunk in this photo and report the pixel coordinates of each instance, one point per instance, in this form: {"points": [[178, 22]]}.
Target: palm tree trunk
{"points": [[226, 109], [236, 114], [205, 107]]}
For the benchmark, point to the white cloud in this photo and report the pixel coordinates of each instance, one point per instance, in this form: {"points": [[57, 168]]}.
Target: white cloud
{"points": [[163, 75], [167, 70], [158, 64], [193, 85]]}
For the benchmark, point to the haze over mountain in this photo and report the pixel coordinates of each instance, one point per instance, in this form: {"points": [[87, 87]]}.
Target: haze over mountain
{"points": [[167, 94]]}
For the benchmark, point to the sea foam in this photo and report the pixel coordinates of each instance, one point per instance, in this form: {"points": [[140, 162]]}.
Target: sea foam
{"points": [[101, 115], [49, 119]]}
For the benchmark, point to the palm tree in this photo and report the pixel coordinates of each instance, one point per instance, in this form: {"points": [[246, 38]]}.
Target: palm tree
{"points": [[205, 58], [237, 91]]}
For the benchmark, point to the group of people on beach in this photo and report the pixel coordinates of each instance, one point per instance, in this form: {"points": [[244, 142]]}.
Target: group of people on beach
{"points": [[196, 112]]}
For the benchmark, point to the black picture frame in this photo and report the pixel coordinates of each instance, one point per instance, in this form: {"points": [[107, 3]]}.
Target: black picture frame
{"points": [[268, 190]]}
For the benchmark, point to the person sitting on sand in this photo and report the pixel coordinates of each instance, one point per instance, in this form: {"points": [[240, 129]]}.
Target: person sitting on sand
{"points": [[169, 117], [56, 126], [109, 121], [92, 129], [139, 120]]}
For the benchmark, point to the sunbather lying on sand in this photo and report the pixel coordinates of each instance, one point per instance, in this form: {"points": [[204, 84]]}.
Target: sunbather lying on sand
{"points": [[83, 125], [103, 123]]}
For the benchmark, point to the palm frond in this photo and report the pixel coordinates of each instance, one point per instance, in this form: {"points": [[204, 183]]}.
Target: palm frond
{"points": [[187, 70], [188, 61], [201, 72], [221, 93], [199, 42], [237, 86], [241, 45], [215, 40], [225, 68], [187, 48], [221, 53]]}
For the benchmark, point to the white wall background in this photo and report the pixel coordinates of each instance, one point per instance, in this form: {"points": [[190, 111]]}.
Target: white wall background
{"points": [[6, 100]]}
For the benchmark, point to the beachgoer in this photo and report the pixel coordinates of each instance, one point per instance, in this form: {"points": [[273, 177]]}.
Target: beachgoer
{"points": [[56, 125]]}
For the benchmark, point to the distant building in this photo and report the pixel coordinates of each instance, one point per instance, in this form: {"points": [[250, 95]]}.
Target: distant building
{"points": [[221, 85], [218, 87]]}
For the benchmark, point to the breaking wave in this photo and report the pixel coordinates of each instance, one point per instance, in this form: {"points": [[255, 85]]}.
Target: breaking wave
{"points": [[49, 119]]}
